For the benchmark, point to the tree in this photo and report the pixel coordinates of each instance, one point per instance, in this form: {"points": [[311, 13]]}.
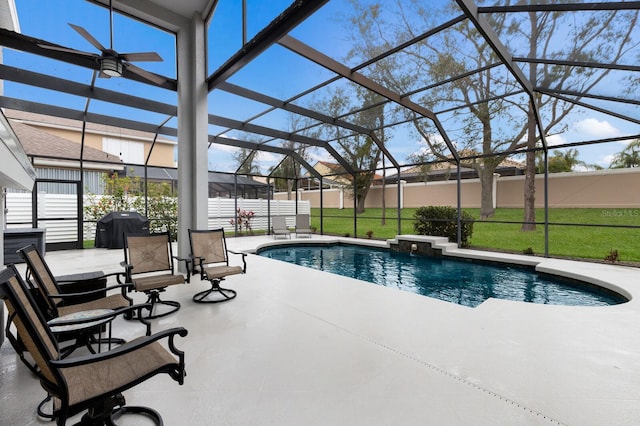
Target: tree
{"points": [[363, 154], [246, 160], [450, 53], [289, 169], [628, 157], [360, 151], [489, 119], [126, 193], [561, 161], [589, 40]]}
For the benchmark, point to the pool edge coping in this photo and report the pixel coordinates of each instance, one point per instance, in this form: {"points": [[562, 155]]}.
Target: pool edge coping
{"points": [[611, 277]]}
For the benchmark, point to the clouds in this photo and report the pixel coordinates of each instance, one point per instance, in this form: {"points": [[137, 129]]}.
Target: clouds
{"points": [[556, 139], [593, 128]]}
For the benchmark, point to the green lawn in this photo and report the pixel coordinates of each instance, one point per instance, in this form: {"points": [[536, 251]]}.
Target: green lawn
{"points": [[566, 240]]}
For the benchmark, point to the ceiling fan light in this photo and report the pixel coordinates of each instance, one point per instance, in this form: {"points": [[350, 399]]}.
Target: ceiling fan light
{"points": [[111, 67]]}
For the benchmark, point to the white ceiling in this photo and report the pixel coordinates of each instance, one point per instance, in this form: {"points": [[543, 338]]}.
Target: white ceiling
{"points": [[185, 8], [169, 14]]}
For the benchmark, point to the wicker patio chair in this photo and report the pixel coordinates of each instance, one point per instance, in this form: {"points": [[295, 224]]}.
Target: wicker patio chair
{"points": [[92, 383], [149, 268], [210, 258]]}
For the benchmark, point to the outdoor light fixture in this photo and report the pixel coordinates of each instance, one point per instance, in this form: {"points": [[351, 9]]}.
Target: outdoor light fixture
{"points": [[111, 66]]}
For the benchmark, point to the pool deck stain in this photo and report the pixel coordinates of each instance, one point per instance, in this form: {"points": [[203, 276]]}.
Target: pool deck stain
{"points": [[299, 346]]}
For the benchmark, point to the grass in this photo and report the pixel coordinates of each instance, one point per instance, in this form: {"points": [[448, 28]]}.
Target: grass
{"points": [[570, 234]]}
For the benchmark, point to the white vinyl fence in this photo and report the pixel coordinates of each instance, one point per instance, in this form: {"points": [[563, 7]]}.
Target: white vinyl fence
{"points": [[221, 211]]}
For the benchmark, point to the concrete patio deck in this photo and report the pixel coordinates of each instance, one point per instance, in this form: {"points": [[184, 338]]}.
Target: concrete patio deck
{"points": [[303, 347]]}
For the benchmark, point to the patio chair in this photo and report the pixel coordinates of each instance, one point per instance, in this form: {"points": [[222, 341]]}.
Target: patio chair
{"points": [[279, 227], [54, 303], [303, 225], [149, 268], [210, 258], [58, 303], [92, 383]]}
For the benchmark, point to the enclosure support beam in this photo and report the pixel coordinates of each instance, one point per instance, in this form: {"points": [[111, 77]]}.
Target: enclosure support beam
{"points": [[289, 19], [266, 131], [269, 196], [266, 148], [355, 207], [399, 206], [287, 106], [321, 206]]}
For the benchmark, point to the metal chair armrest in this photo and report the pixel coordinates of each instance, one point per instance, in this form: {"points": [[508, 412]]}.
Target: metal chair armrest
{"points": [[187, 261], [125, 348], [86, 293], [244, 261]]}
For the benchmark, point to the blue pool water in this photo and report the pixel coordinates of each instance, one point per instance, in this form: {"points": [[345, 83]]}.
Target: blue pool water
{"points": [[463, 282]]}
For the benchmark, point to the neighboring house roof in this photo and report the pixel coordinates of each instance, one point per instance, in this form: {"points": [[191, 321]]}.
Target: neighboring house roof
{"points": [[223, 179], [444, 167], [332, 166], [337, 168], [50, 121], [40, 144]]}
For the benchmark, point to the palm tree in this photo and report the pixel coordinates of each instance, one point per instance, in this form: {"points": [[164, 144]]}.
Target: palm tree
{"points": [[561, 161], [628, 157]]}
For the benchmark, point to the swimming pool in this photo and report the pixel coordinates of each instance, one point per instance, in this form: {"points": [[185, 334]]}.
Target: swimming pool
{"points": [[463, 282]]}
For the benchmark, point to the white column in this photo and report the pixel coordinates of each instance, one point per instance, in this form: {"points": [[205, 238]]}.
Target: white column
{"points": [[193, 179]]}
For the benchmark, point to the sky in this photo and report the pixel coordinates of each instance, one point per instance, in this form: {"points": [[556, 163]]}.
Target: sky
{"points": [[278, 72]]}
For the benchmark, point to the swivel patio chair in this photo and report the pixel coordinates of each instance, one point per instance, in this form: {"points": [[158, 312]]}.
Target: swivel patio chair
{"points": [[303, 225], [279, 227], [210, 258], [58, 303], [149, 268], [54, 303], [92, 383]]}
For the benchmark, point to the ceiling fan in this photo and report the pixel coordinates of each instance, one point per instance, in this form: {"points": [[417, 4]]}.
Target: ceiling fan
{"points": [[111, 62]]}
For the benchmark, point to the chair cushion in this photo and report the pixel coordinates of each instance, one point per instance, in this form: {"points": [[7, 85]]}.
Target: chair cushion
{"points": [[214, 272], [98, 378], [115, 301], [157, 281]]}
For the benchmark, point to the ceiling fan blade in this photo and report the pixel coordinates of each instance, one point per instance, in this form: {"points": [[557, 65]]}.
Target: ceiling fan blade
{"points": [[141, 57], [84, 33], [145, 74]]}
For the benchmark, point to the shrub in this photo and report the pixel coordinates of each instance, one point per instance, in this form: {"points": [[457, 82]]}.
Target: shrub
{"points": [[125, 194], [612, 257], [244, 220], [443, 221]]}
